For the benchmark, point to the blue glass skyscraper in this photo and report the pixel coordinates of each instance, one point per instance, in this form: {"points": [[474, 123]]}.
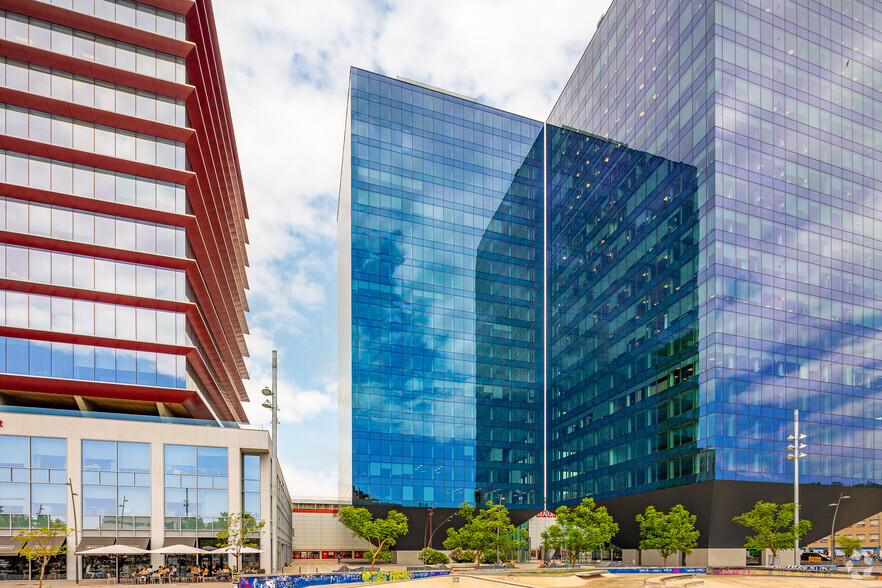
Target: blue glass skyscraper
{"points": [[708, 206], [441, 227]]}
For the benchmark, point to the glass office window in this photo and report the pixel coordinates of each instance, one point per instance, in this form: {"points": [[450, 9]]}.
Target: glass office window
{"points": [[251, 485], [33, 476], [85, 136], [116, 485], [132, 14], [90, 182], [196, 487], [30, 31], [91, 363], [91, 273]]}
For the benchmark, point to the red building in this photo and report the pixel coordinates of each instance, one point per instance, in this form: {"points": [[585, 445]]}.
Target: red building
{"points": [[124, 227]]}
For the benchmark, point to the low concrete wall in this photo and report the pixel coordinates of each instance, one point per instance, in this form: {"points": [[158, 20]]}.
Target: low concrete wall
{"points": [[719, 557], [630, 556], [404, 557]]}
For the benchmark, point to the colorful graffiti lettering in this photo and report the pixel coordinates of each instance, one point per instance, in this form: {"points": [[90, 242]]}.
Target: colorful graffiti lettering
{"points": [[305, 580], [391, 576]]}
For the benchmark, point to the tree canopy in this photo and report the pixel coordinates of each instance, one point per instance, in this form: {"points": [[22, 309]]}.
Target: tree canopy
{"points": [[42, 544], [668, 532], [380, 533], [236, 531], [848, 544], [584, 528], [485, 530], [772, 524]]}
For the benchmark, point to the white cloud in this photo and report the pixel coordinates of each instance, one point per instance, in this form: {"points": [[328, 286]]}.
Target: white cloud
{"points": [[310, 483], [287, 70]]}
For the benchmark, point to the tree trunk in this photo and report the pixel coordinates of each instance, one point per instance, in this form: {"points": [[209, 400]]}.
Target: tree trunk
{"points": [[478, 561], [665, 560], [43, 570]]}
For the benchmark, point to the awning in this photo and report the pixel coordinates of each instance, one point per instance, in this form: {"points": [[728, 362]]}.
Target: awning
{"points": [[10, 545], [50, 542], [188, 541], [94, 542], [139, 542]]}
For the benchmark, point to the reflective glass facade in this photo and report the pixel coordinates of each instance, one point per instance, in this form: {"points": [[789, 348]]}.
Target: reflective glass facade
{"points": [[446, 258], [776, 104], [116, 485], [622, 309], [708, 182], [33, 477]]}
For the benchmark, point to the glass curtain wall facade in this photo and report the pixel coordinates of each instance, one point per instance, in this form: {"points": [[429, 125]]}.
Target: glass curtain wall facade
{"points": [[446, 271], [696, 296], [776, 105], [622, 331]]}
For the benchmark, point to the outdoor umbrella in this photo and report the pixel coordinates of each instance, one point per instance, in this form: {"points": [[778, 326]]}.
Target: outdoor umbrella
{"points": [[243, 550]]}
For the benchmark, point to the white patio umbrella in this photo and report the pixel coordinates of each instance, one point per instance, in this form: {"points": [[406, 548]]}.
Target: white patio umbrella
{"points": [[116, 550], [180, 549]]}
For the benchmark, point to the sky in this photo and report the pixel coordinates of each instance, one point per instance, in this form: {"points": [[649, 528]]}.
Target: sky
{"points": [[287, 71]]}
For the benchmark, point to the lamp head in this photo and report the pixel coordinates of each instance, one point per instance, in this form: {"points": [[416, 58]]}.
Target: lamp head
{"points": [[267, 404], [834, 504], [266, 391], [790, 456], [844, 497]]}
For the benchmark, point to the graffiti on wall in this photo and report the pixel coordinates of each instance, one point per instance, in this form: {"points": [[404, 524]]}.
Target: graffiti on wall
{"points": [[304, 580]]}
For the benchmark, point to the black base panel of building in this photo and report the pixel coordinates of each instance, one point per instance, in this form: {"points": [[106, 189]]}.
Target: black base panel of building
{"points": [[715, 503], [420, 526]]}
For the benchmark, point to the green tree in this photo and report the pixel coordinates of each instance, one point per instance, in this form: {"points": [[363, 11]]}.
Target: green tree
{"points": [[485, 531], [584, 528], [236, 532], [772, 524], [381, 534], [668, 532], [432, 557], [848, 544], [43, 544]]}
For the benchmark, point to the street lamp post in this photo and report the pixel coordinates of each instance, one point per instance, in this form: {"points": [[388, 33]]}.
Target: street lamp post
{"points": [[842, 497], [73, 505], [274, 406], [796, 446]]}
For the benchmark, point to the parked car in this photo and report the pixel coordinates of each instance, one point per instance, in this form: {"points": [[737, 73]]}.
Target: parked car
{"points": [[815, 557]]}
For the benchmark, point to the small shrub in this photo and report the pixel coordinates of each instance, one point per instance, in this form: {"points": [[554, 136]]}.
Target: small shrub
{"points": [[461, 556], [432, 557], [490, 558]]}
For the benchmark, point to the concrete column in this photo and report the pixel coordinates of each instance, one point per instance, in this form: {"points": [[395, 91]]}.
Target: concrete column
{"points": [[157, 499]]}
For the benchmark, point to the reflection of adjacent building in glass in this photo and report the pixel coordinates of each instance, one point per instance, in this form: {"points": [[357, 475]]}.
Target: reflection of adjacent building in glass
{"points": [[706, 184], [122, 283]]}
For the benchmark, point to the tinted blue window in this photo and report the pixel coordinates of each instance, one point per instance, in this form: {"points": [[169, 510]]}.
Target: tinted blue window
{"points": [[14, 451], [212, 461], [180, 459], [134, 457], [48, 453], [17, 356], [99, 455]]}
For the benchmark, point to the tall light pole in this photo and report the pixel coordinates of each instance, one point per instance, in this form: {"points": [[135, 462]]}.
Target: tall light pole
{"points": [[73, 505], [796, 446], [842, 497], [274, 406]]}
